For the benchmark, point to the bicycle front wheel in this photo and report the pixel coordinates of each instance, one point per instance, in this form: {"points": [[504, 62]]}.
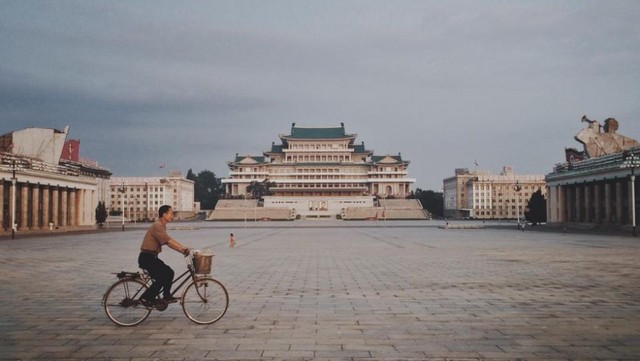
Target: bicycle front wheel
{"points": [[205, 301], [121, 302]]}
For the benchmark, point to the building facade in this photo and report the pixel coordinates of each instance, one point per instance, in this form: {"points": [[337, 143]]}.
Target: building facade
{"points": [[321, 162], [140, 197], [596, 186], [39, 189], [481, 195]]}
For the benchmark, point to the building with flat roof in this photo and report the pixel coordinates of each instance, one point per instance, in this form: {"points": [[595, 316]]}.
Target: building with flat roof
{"points": [[44, 187], [481, 195], [139, 198]]}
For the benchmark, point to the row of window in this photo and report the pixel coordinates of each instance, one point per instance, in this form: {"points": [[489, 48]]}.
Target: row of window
{"points": [[144, 196], [317, 146], [322, 185], [318, 158], [138, 189]]}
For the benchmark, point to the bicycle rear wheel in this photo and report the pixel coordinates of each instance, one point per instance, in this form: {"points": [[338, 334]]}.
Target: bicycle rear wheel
{"points": [[121, 302], [205, 301]]}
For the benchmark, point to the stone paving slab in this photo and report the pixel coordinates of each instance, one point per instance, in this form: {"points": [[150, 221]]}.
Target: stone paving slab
{"points": [[317, 291]]}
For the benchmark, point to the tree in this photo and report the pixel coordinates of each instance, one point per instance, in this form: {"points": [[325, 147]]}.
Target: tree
{"points": [[208, 188], [101, 213], [260, 189], [191, 176], [431, 201], [537, 208]]}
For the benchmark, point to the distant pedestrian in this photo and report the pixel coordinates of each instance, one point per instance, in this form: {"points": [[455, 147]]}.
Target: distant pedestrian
{"points": [[232, 241]]}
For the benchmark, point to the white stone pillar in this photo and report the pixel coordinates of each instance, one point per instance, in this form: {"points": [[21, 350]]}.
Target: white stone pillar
{"points": [[35, 207], [618, 212], [608, 203], [587, 203], [1, 203], [578, 203], [597, 191], [55, 206], [64, 207], [45, 207], [24, 206], [73, 220]]}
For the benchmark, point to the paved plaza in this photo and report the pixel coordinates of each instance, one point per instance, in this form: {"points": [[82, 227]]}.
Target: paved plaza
{"points": [[329, 290]]}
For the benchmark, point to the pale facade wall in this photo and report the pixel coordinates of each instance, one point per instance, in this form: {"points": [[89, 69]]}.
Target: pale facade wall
{"points": [[144, 195], [478, 194], [321, 168], [44, 196], [317, 206]]}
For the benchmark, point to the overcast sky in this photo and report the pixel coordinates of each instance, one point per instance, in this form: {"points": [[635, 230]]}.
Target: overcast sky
{"points": [[445, 83]]}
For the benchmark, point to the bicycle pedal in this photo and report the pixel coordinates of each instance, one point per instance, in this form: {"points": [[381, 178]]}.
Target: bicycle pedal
{"points": [[161, 305]]}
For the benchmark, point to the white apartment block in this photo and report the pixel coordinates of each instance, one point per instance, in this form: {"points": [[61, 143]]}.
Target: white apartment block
{"points": [[481, 195], [140, 197]]}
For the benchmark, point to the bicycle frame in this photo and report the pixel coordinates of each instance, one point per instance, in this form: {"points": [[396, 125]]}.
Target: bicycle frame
{"points": [[184, 276], [208, 306]]}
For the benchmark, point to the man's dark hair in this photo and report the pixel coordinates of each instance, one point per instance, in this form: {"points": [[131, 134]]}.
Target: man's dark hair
{"points": [[164, 209]]}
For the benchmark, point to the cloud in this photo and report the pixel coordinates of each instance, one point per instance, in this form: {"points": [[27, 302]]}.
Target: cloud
{"points": [[444, 83]]}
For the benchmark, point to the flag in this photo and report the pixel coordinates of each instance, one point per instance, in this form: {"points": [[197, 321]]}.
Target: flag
{"points": [[163, 165], [476, 162]]}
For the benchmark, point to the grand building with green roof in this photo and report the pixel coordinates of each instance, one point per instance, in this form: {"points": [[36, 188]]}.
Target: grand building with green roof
{"points": [[320, 163]]}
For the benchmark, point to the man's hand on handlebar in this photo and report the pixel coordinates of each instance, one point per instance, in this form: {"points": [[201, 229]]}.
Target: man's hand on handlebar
{"points": [[186, 251]]}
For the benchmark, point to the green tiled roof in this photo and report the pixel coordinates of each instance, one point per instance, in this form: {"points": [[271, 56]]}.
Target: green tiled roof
{"points": [[318, 132], [258, 159], [378, 158], [359, 148], [276, 148]]}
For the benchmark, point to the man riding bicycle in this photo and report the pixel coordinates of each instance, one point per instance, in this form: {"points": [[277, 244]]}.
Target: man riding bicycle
{"points": [[161, 274]]}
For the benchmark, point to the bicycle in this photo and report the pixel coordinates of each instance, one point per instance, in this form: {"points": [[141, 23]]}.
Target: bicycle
{"points": [[204, 300]]}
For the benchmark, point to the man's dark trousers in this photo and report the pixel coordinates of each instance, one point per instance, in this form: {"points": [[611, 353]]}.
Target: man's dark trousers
{"points": [[161, 274]]}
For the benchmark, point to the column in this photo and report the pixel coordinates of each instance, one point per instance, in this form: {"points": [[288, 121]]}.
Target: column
{"points": [[55, 206], [597, 191], [561, 206], [64, 204], [608, 203], [35, 207], [72, 208], [578, 204], [630, 201], [80, 207], [24, 206], [619, 219], [587, 203], [1, 203], [45, 207], [570, 203], [13, 195]]}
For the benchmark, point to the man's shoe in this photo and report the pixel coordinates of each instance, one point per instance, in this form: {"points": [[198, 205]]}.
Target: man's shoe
{"points": [[171, 299], [146, 303]]}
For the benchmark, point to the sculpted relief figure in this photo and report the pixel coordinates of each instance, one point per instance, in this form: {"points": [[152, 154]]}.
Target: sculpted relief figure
{"points": [[599, 140]]}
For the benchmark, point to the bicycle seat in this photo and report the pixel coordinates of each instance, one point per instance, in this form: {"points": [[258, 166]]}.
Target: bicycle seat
{"points": [[125, 274]]}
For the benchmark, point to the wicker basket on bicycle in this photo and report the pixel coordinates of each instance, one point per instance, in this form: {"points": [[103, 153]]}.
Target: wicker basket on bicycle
{"points": [[202, 262]]}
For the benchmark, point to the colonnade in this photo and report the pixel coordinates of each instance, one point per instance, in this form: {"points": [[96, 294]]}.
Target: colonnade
{"points": [[41, 206], [600, 202]]}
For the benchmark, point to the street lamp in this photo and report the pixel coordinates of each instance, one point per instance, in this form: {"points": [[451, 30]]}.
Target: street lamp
{"points": [[517, 188], [122, 190], [244, 206], [633, 162], [13, 200]]}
